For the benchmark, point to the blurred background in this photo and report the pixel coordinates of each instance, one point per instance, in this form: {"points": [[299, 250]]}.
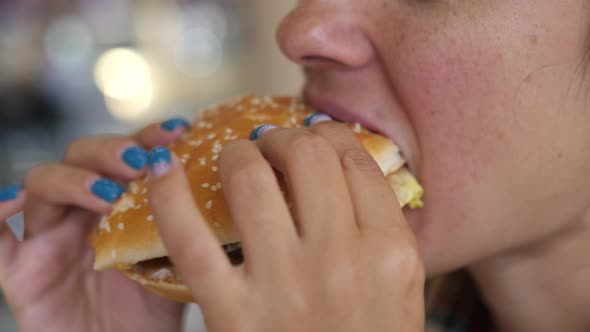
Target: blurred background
{"points": [[71, 68]]}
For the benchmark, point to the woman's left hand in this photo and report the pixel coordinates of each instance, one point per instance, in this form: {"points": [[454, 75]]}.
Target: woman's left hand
{"points": [[341, 258]]}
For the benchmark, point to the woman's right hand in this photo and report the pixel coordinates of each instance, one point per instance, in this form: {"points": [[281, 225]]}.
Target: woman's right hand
{"points": [[48, 278]]}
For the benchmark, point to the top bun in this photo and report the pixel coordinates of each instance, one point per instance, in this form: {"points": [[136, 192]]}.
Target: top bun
{"points": [[129, 235]]}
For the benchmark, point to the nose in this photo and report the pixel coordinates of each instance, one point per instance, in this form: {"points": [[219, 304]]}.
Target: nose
{"points": [[324, 39]]}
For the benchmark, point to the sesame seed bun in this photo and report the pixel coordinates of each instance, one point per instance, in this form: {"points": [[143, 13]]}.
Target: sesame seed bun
{"points": [[128, 240]]}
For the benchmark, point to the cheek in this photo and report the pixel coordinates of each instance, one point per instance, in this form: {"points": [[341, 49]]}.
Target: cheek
{"points": [[461, 106], [460, 133]]}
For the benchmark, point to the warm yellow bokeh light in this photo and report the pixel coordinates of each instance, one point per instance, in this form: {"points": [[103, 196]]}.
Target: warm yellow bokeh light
{"points": [[124, 77]]}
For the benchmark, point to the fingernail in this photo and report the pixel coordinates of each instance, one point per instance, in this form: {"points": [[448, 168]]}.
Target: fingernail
{"points": [[260, 130], [315, 118], [160, 160], [170, 125], [10, 192], [135, 157], [107, 190]]}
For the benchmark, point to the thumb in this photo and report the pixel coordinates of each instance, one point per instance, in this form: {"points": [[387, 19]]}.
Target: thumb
{"points": [[191, 245]]}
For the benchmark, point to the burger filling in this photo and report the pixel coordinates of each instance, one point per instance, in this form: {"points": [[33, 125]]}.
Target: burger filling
{"points": [[162, 268]]}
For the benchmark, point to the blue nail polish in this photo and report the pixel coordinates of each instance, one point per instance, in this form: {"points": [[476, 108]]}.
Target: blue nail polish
{"points": [[136, 157], [159, 160], [107, 190], [316, 117], [258, 131], [170, 125], [10, 192]]}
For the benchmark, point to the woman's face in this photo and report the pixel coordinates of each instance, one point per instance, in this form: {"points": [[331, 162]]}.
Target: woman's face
{"points": [[485, 98]]}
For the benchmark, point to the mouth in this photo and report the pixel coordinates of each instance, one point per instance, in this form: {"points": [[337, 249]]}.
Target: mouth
{"points": [[341, 113]]}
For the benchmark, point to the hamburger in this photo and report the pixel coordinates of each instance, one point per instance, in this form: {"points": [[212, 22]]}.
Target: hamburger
{"points": [[127, 239]]}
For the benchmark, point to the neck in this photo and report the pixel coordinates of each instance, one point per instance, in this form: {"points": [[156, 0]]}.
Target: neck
{"points": [[543, 287]]}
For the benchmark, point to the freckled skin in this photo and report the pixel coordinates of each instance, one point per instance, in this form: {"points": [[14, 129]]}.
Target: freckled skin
{"points": [[484, 99]]}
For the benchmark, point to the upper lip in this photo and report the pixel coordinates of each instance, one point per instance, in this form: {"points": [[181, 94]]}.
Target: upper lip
{"points": [[337, 111]]}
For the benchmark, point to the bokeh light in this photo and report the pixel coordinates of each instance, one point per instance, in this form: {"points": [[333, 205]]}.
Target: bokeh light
{"points": [[68, 43], [124, 77]]}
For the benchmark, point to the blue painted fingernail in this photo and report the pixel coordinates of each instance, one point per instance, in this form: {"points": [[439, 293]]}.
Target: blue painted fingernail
{"points": [[315, 118], [136, 157], [160, 160], [260, 130], [10, 192], [107, 190], [170, 125]]}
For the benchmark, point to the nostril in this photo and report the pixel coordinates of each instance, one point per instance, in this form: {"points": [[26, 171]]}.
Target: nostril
{"points": [[319, 61]]}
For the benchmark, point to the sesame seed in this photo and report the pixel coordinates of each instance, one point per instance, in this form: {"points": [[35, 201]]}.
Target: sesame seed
{"points": [[357, 128], [201, 124], [211, 136], [215, 156], [218, 185], [184, 161], [216, 224], [209, 204], [185, 156], [293, 120], [228, 130], [213, 188], [255, 101], [150, 218], [144, 190], [202, 161], [196, 143], [121, 226], [205, 185], [209, 125], [133, 188], [214, 168]]}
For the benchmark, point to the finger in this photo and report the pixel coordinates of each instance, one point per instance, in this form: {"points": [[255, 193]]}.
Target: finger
{"points": [[257, 207], [161, 133], [191, 245], [313, 172], [53, 187], [12, 200], [118, 157], [374, 201]]}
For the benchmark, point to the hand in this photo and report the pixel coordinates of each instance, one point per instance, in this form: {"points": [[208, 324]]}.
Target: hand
{"points": [[48, 279], [341, 259]]}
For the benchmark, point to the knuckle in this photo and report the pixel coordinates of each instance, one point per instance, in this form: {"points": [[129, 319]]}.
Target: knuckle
{"points": [[329, 128], [73, 148], [308, 145], [401, 262], [360, 159], [251, 174], [193, 255], [37, 173]]}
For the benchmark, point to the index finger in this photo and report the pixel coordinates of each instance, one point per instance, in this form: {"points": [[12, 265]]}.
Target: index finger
{"points": [[191, 245]]}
